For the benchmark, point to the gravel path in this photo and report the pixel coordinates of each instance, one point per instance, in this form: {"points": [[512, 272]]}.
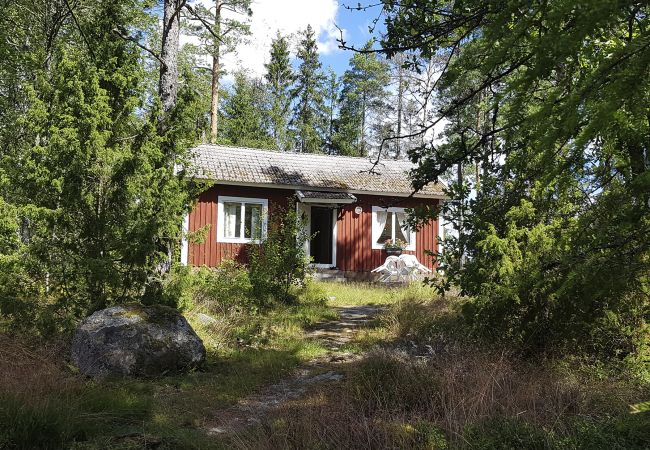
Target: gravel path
{"points": [[332, 335]]}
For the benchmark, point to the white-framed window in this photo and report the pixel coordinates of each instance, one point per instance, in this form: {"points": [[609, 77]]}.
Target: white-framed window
{"points": [[241, 219], [390, 223]]}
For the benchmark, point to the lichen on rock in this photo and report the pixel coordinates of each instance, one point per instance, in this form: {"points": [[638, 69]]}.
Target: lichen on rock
{"points": [[136, 340]]}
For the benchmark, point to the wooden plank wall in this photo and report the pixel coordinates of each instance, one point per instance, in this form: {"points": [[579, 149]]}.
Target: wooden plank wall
{"points": [[357, 228], [354, 232], [210, 252]]}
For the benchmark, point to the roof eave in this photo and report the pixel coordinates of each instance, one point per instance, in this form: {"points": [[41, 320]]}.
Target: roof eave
{"points": [[438, 196]]}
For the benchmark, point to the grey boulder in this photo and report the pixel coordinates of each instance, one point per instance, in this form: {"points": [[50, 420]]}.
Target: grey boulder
{"points": [[136, 340]]}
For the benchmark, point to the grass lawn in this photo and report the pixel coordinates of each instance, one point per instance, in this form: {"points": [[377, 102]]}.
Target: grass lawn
{"points": [[467, 396], [347, 294]]}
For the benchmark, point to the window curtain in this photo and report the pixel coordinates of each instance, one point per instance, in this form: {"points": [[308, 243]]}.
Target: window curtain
{"points": [[380, 225], [402, 231], [231, 212]]}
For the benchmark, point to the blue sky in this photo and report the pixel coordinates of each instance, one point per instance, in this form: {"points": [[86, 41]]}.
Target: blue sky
{"points": [[291, 16], [355, 23]]}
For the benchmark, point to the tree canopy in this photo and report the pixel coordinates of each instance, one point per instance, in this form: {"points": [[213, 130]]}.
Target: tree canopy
{"points": [[87, 176], [551, 101]]}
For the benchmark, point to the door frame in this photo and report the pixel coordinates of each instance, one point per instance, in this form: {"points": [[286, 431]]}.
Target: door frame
{"points": [[306, 209]]}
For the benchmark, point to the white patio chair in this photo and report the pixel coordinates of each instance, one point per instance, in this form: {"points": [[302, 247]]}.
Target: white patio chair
{"points": [[391, 268], [384, 266], [412, 267]]}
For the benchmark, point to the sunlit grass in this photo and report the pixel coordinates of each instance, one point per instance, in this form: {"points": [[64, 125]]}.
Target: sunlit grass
{"points": [[246, 350], [354, 293]]}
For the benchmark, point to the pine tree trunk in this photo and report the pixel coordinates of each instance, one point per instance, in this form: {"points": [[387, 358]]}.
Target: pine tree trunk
{"points": [[216, 67], [168, 83], [362, 145], [461, 241], [400, 95], [168, 92]]}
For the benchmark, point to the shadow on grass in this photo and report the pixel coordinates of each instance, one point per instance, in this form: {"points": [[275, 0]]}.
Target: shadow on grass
{"points": [[166, 412], [461, 403]]}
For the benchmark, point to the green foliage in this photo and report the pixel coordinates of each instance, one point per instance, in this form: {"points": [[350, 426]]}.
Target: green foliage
{"points": [[332, 86], [244, 114], [213, 290], [363, 100], [506, 434], [279, 77], [629, 432], [57, 420], [279, 263], [548, 102], [89, 175], [230, 23], [308, 120]]}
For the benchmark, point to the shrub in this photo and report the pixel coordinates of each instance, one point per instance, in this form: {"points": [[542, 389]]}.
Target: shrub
{"points": [[214, 290], [279, 263], [545, 285]]}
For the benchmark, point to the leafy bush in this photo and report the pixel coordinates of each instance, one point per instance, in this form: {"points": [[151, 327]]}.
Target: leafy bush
{"points": [[533, 286], [630, 432], [213, 290], [279, 263]]}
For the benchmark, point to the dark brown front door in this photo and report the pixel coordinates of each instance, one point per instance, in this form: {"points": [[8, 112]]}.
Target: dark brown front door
{"points": [[320, 248]]}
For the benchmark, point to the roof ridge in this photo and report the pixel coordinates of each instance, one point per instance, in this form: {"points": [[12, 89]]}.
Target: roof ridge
{"points": [[279, 152]]}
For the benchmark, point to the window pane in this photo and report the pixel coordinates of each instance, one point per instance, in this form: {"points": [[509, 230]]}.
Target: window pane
{"points": [[387, 230], [252, 221], [232, 219], [401, 231]]}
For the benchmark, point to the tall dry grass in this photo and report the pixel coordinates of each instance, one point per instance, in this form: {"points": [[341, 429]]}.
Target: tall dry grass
{"points": [[455, 396], [30, 370]]}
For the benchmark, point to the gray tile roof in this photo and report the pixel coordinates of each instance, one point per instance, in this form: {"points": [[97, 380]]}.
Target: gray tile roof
{"points": [[304, 170]]}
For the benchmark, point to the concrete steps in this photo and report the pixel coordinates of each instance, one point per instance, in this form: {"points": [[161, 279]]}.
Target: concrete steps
{"points": [[337, 275]]}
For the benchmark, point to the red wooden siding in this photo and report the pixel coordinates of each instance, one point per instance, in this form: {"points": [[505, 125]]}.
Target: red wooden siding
{"points": [[210, 252], [354, 250]]}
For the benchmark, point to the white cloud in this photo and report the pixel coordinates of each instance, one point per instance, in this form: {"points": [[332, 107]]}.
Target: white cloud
{"points": [[287, 16]]}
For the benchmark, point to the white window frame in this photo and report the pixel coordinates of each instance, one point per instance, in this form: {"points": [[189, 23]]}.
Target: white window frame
{"points": [[243, 201], [376, 232]]}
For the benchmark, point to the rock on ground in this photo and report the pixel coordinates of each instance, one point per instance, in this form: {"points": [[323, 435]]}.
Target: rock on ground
{"points": [[135, 340]]}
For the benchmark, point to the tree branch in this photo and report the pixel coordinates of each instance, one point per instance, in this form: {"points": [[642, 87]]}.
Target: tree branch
{"points": [[207, 25], [136, 41]]}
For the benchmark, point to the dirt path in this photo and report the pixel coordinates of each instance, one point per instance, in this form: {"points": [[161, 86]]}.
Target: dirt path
{"points": [[332, 335]]}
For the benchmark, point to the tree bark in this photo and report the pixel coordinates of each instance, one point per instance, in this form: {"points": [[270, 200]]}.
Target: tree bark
{"points": [[168, 83], [400, 95], [216, 67]]}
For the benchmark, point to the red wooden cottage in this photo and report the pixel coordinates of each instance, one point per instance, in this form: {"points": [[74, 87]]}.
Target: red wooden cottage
{"points": [[350, 209]]}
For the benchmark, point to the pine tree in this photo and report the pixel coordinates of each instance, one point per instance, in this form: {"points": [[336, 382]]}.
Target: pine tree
{"points": [[220, 29], [279, 78], [308, 120], [551, 101], [244, 114], [332, 87], [363, 100]]}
